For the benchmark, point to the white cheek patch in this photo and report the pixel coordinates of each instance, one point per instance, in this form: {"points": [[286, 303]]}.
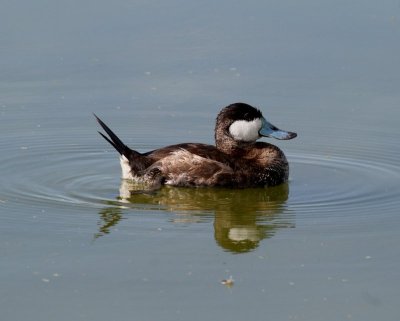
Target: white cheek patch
{"points": [[246, 130]]}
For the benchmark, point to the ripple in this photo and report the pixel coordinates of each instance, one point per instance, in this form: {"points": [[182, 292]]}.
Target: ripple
{"points": [[68, 175], [343, 188], [82, 176]]}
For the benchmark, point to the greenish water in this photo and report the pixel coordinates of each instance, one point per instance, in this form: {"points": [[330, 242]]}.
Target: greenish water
{"points": [[74, 245]]}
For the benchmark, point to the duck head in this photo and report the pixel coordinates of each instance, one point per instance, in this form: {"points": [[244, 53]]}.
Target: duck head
{"points": [[240, 124]]}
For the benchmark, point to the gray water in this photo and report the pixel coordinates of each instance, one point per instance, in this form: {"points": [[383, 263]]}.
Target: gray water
{"points": [[325, 246]]}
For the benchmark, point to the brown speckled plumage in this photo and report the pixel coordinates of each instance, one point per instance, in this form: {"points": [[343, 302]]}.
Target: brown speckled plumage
{"points": [[232, 162]]}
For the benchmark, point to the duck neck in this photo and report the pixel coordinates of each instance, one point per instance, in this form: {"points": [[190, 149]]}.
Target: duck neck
{"points": [[229, 146]]}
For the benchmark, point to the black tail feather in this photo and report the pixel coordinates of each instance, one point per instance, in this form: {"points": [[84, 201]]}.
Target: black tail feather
{"points": [[109, 140], [113, 140]]}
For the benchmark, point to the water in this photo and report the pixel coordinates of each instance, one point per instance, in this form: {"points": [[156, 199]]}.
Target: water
{"points": [[323, 247]]}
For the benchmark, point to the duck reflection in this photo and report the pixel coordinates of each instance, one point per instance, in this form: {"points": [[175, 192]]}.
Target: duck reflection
{"points": [[109, 217], [242, 217]]}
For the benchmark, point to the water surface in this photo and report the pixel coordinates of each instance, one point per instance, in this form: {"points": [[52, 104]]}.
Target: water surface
{"points": [[75, 244]]}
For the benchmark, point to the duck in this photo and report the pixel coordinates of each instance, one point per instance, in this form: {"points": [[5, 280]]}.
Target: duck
{"points": [[236, 160]]}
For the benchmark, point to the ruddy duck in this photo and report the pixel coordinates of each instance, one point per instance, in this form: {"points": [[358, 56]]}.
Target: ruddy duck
{"points": [[236, 160]]}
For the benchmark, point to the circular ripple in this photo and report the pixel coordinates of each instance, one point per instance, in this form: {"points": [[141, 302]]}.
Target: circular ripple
{"points": [[343, 188], [72, 175], [67, 175]]}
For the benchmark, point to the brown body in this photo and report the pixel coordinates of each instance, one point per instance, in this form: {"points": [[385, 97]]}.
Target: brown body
{"points": [[204, 165]]}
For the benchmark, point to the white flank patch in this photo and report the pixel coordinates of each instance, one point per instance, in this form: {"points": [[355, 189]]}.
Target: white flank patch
{"points": [[126, 168], [125, 190], [246, 131]]}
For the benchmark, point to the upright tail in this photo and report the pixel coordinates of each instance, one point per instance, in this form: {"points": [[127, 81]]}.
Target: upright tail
{"points": [[114, 140], [132, 162]]}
